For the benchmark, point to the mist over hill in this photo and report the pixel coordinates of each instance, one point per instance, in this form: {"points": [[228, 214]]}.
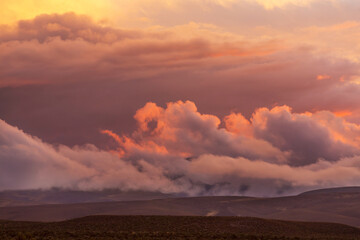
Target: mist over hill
{"points": [[61, 196], [339, 205]]}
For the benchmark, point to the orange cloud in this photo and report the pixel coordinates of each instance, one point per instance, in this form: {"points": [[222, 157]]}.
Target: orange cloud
{"points": [[238, 124], [323, 77], [181, 130], [343, 113]]}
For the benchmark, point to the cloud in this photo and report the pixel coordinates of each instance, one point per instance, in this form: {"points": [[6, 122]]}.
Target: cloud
{"points": [[68, 47], [228, 175], [65, 76], [57, 70], [271, 4], [273, 135], [307, 138], [179, 150], [29, 163], [67, 26], [181, 130]]}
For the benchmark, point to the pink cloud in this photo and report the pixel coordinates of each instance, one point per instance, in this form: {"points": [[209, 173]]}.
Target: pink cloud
{"points": [[179, 150]]}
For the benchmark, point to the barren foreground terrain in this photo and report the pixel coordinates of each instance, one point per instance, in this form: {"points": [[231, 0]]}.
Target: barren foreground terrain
{"points": [[176, 227]]}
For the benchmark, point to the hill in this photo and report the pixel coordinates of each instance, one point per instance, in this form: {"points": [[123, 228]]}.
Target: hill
{"points": [[334, 206], [333, 190], [171, 227], [61, 196]]}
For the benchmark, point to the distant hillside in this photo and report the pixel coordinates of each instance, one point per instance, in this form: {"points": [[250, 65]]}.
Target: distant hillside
{"points": [[334, 190], [335, 206], [60, 196], [171, 227]]}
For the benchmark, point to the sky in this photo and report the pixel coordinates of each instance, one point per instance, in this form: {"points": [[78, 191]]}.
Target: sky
{"points": [[200, 97]]}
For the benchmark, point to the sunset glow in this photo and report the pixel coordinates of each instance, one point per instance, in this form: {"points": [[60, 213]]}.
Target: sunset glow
{"points": [[181, 96]]}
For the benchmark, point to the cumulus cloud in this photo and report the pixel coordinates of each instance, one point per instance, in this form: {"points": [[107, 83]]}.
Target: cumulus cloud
{"points": [[181, 130], [308, 139], [177, 149]]}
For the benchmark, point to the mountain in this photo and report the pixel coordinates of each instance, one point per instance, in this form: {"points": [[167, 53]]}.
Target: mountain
{"points": [[331, 205]]}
